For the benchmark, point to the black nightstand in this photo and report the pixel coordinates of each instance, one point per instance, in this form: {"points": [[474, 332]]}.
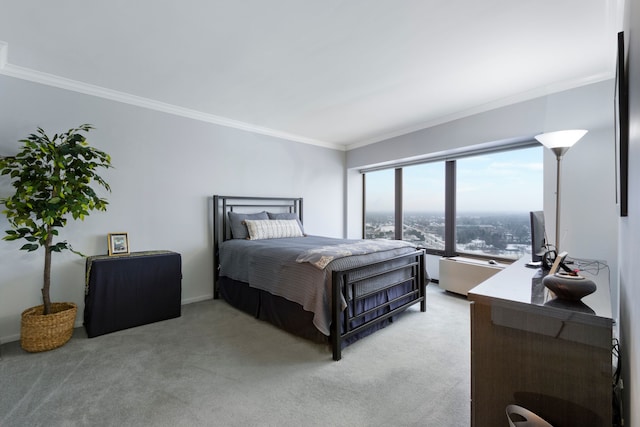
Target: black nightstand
{"points": [[131, 290]]}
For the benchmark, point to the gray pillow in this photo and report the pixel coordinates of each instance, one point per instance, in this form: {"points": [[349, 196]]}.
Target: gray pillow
{"points": [[238, 228], [286, 215]]}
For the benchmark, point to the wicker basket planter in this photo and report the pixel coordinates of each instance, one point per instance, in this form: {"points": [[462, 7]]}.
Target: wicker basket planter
{"points": [[41, 333]]}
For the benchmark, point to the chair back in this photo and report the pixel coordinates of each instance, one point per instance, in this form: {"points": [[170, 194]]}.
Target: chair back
{"points": [[521, 417]]}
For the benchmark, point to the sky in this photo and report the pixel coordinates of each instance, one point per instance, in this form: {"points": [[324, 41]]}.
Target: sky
{"points": [[510, 181]]}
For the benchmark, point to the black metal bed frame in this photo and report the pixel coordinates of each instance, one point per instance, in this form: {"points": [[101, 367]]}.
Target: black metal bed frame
{"points": [[343, 286], [222, 231], [343, 282]]}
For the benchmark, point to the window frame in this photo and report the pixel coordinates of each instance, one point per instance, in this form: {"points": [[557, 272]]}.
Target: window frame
{"points": [[450, 194]]}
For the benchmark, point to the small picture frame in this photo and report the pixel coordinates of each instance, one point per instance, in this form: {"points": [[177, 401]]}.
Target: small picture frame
{"points": [[118, 244]]}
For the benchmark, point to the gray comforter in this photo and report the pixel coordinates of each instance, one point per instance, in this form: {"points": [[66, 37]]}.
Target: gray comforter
{"points": [[271, 265]]}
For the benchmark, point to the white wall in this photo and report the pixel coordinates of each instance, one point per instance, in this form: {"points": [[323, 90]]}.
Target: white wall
{"points": [[588, 107], [166, 169], [589, 223]]}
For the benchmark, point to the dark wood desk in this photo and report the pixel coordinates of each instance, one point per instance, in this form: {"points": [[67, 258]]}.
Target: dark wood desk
{"points": [[131, 290], [530, 349]]}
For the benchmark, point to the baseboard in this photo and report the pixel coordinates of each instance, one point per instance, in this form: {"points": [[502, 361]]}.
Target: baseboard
{"points": [[9, 338], [80, 322], [197, 299]]}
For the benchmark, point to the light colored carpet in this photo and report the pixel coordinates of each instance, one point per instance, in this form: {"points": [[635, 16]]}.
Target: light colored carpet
{"points": [[216, 366]]}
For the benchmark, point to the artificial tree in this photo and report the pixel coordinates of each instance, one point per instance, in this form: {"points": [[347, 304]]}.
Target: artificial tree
{"points": [[52, 180]]}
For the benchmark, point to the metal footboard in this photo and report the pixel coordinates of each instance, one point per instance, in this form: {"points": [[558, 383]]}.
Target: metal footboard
{"points": [[348, 322]]}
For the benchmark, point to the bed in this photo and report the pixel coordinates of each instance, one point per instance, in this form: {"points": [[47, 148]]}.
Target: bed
{"points": [[324, 289]]}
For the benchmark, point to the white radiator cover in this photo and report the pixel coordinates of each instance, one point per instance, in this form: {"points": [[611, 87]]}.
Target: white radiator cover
{"points": [[459, 274]]}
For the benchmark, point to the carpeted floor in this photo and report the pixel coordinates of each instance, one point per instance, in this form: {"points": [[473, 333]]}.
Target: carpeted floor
{"points": [[216, 366]]}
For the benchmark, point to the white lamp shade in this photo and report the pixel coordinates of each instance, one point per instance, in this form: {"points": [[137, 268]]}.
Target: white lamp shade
{"points": [[561, 139]]}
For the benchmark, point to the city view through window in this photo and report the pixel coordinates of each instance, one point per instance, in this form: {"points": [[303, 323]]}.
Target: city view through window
{"points": [[505, 235], [494, 195]]}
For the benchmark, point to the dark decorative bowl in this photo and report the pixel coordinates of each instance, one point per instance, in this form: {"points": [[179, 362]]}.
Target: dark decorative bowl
{"points": [[566, 304], [572, 288]]}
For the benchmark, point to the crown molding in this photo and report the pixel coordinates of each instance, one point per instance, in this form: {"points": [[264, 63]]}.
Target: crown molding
{"points": [[127, 98], [101, 92]]}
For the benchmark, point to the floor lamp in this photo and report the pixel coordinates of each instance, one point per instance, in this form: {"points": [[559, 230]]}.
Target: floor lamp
{"points": [[559, 142]]}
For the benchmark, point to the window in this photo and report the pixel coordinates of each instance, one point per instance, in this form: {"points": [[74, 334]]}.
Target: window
{"points": [[423, 205], [493, 194], [379, 202]]}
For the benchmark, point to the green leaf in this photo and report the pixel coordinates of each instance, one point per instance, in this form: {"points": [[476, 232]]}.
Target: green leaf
{"points": [[56, 249], [29, 247]]}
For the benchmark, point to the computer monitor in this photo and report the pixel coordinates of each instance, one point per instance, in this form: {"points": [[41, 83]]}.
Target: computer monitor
{"points": [[538, 240]]}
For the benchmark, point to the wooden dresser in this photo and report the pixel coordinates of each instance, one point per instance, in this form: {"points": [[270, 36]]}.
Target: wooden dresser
{"points": [[530, 349]]}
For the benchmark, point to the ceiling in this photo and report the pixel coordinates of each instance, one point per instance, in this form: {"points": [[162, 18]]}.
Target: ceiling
{"points": [[337, 73]]}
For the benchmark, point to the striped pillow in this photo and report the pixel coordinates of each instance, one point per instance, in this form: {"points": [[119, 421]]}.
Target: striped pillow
{"points": [[273, 229]]}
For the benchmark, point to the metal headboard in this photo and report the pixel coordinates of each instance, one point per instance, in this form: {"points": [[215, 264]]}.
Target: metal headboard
{"points": [[222, 205]]}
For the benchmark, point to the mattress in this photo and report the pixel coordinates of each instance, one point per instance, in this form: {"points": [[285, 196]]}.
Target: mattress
{"points": [[271, 265]]}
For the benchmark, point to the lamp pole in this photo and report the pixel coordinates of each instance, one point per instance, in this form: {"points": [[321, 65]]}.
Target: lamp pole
{"points": [[559, 152], [559, 142]]}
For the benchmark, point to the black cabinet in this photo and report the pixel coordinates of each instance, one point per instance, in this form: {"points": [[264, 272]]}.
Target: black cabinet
{"points": [[132, 290]]}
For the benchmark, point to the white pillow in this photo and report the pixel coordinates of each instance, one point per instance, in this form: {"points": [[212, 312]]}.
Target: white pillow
{"points": [[273, 228]]}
